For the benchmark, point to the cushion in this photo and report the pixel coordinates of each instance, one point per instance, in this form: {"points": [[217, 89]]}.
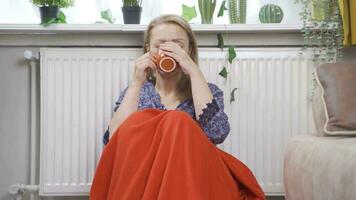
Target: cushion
{"points": [[334, 103]]}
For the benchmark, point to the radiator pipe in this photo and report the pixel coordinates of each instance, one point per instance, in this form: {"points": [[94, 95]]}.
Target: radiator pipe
{"points": [[32, 62], [18, 190]]}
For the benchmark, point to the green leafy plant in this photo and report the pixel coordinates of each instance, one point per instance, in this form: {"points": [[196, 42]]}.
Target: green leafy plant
{"points": [[61, 19], [231, 56], [188, 13], [232, 95], [322, 29], [206, 8], [48, 3], [223, 72], [131, 3], [222, 9], [107, 15], [220, 41]]}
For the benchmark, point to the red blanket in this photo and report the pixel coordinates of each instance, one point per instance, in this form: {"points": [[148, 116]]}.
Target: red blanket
{"points": [[165, 155]]}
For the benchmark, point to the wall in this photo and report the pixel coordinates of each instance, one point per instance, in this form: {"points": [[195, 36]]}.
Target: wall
{"points": [[15, 115], [14, 119]]}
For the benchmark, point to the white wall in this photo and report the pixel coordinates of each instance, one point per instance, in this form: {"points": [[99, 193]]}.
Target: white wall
{"points": [[15, 117]]}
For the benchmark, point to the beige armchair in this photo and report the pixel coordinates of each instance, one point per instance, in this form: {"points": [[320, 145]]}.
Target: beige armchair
{"points": [[322, 166]]}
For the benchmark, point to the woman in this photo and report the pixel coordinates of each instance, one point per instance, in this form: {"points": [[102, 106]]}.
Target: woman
{"points": [[162, 135]]}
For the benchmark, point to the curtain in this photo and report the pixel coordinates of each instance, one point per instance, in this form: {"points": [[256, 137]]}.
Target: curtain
{"points": [[348, 14]]}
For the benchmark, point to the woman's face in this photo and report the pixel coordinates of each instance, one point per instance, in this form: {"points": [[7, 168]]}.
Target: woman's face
{"points": [[168, 32]]}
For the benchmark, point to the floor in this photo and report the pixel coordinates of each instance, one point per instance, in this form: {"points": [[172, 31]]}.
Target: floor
{"points": [[275, 198]]}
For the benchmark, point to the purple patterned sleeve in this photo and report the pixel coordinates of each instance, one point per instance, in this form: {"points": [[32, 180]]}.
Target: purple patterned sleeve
{"points": [[117, 104], [213, 120], [119, 100]]}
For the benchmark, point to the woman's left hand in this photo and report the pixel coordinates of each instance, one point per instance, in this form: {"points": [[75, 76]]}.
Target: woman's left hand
{"points": [[180, 55]]}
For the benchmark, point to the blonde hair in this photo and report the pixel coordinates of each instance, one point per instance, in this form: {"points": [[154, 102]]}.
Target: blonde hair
{"points": [[184, 88]]}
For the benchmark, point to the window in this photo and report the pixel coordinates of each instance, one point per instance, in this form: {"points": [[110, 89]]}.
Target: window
{"points": [[88, 11]]}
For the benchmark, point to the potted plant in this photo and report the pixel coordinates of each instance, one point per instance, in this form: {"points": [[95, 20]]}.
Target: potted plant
{"points": [[322, 29], [131, 11], [49, 9], [271, 13], [321, 10], [237, 11], [206, 8]]}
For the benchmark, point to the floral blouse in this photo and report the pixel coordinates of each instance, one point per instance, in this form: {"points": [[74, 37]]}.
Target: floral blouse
{"points": [[213, 121]]}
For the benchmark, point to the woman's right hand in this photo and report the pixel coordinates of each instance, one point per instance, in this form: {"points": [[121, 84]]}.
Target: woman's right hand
{"points": [[142, 66]]}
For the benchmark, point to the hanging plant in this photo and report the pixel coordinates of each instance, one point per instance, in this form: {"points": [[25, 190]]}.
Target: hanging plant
{"points": [[230, 57], [222, 9], [189, 13], [322, 29]]}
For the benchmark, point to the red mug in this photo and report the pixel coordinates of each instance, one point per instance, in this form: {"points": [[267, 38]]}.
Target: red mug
{"points": [[165, 63]]}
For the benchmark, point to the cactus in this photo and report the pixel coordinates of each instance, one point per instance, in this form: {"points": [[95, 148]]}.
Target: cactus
{"points": [[237, 14], [271, 13], [242, 11], [206, 8], [232, 11]]}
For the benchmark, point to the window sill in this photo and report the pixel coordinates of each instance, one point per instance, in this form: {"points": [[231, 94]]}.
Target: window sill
{"points": [[133, 28]]}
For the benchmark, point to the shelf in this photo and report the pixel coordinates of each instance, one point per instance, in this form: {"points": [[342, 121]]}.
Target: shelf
{"points": [[137, 28]]}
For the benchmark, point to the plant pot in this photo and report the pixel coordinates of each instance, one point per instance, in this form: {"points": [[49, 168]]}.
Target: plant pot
{"points": [[48, 13], [132, 15], [321, 10]]}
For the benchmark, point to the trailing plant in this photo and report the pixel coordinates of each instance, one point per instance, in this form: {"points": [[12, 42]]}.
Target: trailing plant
{"points": [[48, 3], [222, 9], [322, 29], [230, 57], [131, 3], [206, 8], [189, 13]]}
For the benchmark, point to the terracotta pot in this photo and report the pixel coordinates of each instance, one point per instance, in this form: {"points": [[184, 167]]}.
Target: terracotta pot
{"points": [[165, 63]]}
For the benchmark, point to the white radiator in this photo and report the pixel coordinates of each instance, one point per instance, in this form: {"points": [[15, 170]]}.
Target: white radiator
{"points": [[79, 88]]}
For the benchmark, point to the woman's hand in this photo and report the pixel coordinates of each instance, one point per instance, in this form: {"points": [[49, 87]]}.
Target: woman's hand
{"points": [[180, 55], [200, 89], [142, 65]]}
